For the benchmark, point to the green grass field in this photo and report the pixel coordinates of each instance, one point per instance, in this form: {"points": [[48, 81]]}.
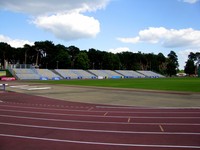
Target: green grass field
{"points": [[168, 84]]}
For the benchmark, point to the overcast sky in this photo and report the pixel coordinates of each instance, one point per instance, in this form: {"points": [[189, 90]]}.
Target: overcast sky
{"points": [[149, 26]]}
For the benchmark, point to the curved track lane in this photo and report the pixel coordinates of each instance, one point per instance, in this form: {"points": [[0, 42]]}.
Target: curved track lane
{"points": [[33, 122]]}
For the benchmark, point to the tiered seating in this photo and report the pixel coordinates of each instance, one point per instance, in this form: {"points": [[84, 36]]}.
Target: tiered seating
{"points": [[47, 74], [105, 73], [130, 74], [26, 74], [157, 75], [75, 74], [150, 74], [112, 74], [84, 74], [99, 73], [67, 74]]}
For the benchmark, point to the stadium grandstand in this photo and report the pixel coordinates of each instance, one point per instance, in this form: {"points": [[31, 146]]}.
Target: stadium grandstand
{"points": [[25, 74], [130, 74], [57, 74], [105, 74], [75, 74], [46, 74], [150, 74]]}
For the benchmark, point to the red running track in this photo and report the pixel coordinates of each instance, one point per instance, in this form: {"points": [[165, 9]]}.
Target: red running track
{"points": [[32, 122]]}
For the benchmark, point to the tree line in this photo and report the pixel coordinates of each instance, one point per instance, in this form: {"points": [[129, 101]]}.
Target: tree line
{"points": [[45, 54], [193, 63]]}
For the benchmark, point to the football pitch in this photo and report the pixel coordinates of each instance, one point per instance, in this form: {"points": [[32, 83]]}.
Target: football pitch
{"points": [[166, 84]]}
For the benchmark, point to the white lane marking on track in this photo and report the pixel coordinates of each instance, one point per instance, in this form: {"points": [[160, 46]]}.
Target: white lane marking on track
{"points": [[60, 114], [106, 114], [1, 101], [99, 143], [97, 116], [102, 110], [161, 128], [100, 122], [101, 131]]}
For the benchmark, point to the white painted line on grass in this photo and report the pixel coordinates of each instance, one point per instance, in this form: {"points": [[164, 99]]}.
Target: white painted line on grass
{"points": [[39, 88], [99, 143], [27, 87], [18, 86]]}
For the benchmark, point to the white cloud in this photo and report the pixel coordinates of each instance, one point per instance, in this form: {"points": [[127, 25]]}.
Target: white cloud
{"points": [[169, 38], [187, 39], [62, 18], [119, 50], [41, 7], [69, 26], [129, 40], [190, 1], [14, 42]]}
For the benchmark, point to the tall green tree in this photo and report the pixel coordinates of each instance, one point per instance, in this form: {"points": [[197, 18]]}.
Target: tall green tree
{"points": [[62, 58], [190, 67], [111, 61], [5, 53], [26, 49], [47, 55], [198, 63], [45, 52], [126, 60], [130, 61], [197, 59], [193, 59], [161, 63], [172, 64], [73, 52], [95, 57], [82, 61]]}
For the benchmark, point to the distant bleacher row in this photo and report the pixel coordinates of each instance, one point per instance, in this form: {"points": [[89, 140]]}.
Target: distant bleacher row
{"points": [[58, 74]]}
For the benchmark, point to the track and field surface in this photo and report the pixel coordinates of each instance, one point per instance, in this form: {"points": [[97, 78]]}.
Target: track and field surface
{"points": [[108, 96], [33, 122]]}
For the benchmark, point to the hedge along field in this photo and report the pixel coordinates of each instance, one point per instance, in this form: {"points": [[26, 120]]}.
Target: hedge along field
{"points": [[168, 84]]}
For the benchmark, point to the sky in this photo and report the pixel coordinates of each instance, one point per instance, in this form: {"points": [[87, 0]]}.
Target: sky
{"points": [[148, 26]]}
